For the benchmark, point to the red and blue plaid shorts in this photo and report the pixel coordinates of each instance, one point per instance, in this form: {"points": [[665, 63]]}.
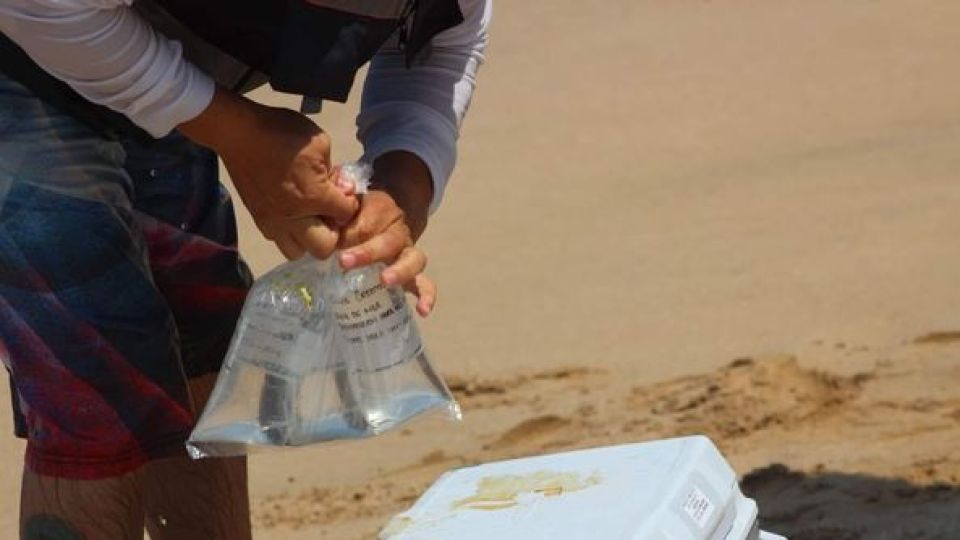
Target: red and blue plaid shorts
{"points": [[119, 281]]}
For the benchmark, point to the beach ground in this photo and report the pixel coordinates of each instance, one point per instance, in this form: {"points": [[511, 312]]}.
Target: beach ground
{"points": [[735, 217]]}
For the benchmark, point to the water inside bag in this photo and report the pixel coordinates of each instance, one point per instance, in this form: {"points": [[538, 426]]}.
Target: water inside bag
{"points": [[319, 355]]}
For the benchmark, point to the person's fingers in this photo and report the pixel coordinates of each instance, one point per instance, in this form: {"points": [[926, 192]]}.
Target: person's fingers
{"points": [[378, 213], [328, 194], [290, 248], [426, 292], [316, 237], [384, 247], [405, 268], [327, 201], [343, 184], [363, 228]]}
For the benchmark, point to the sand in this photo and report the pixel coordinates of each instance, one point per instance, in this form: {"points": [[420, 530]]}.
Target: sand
{"points": [[731, 217]]}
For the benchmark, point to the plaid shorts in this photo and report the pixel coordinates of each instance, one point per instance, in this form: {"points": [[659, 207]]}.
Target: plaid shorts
{"points": [[119, 281]]}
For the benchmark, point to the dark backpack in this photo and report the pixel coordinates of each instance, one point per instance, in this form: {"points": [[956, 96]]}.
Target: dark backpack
{"points": [[311, 48]]}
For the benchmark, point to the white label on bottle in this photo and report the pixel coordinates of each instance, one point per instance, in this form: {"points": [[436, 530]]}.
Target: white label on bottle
{"points": [[267, 340], [273, 321], [699, 507], [376, 325]]}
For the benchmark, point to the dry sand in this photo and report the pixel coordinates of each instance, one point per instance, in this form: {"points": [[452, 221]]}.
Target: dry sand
{"points": [[734, 217]]}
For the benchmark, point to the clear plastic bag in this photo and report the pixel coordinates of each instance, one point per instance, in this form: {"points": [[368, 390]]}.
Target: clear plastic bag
{"points": [[319, 355]]}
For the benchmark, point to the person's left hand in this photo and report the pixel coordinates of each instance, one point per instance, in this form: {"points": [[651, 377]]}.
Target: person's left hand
{"points": [[391, 217]]}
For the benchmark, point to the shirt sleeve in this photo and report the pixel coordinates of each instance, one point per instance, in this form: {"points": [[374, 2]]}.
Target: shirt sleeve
{"points": [[106, 52], [420, 109]]}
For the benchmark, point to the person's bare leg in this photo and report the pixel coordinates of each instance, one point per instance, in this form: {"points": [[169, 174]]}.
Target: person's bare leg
{"points": [[68, 509], [175, 498], [184, 499]]}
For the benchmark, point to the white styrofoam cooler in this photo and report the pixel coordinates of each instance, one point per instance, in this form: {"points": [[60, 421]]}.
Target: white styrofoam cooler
{"points": [[663, 490]]}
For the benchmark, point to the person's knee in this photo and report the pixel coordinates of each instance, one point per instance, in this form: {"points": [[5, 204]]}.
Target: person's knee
{"points": [[49, 527], [53, 508]]}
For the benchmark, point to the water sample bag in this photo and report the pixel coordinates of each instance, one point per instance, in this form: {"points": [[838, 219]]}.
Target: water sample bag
{"points": [[319, 355]]}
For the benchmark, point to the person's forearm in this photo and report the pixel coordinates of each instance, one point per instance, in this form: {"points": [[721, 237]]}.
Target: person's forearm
{"points": [[226, 119], [406, 178]]}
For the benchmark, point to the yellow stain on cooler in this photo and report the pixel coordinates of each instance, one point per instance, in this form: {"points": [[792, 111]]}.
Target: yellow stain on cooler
{"points": [[500, 492]]}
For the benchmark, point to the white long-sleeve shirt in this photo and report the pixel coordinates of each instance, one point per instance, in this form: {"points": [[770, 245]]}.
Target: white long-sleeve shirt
{"points": [[109, 54]]}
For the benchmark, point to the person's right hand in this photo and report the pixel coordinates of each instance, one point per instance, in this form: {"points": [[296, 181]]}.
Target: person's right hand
{"points": [[279, 162], [295, 236]]}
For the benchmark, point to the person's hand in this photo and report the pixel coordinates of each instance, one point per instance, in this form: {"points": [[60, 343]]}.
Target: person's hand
{"points": [[279, 162], [391, 218], [296, 236]]}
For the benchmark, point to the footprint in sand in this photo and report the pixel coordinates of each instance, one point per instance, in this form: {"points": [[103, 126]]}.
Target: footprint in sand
{"points": [[535, 433], [746, 396], [488, 393], [938, 338]]}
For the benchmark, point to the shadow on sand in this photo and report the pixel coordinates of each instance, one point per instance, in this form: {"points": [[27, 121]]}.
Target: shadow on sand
{"points": [[838, 506]]}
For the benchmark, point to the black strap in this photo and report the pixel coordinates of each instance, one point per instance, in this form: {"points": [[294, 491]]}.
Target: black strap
{"points": [[430, 17]]}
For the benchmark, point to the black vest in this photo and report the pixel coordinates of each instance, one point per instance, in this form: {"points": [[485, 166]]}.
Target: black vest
{"points": [[312, 48]]}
